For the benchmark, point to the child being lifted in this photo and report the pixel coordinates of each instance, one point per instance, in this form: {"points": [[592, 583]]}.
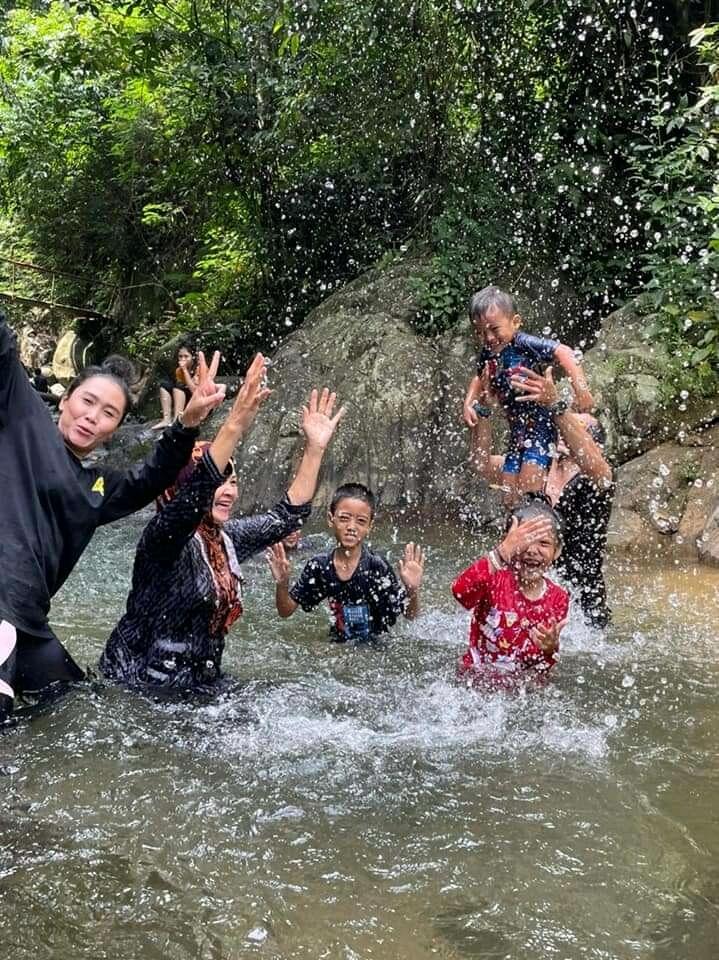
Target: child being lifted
{"points": [[364, 595], [506, 354]]}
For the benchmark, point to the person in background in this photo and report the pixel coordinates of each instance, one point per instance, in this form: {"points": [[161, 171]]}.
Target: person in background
{"points": [[175, 393], [39, 381]]}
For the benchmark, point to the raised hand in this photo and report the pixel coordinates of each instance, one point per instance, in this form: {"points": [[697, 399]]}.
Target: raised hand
{"points": [[535, 387], [520, 535], [207, 394], [318, 424], [278, 563], [411, 567], [546, 636], [250, 396]]}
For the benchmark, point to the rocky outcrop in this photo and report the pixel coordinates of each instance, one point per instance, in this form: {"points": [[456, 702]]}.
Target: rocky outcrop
{"points": [[36, 343], [628, 379], [70, 356], [668, 499], [401, 434]]}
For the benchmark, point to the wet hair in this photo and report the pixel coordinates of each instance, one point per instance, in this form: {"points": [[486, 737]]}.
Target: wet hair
{"points": [[489, 297], [115, 368], [535, 505], [353, 491]]}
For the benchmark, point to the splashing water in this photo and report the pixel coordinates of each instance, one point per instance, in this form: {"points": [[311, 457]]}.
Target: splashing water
{"points": [[358, 803]]}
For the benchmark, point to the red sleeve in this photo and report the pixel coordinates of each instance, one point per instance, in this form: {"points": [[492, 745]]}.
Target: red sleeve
{"points": [[472, 585]]}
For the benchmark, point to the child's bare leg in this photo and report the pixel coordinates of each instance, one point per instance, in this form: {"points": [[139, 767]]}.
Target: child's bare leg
{"points": [[179, 399], [531, 478], [166, 406]]}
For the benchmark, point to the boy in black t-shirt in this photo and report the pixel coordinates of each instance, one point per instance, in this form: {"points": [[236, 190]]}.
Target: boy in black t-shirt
{"points": [[362, 588]]}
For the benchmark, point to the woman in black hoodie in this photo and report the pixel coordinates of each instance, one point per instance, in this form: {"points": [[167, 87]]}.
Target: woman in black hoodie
{"points": [[51, 502]]}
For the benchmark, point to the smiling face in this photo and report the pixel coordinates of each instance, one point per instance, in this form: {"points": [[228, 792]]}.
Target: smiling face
{"points": [[224, 501], [495, 328], [91, 414], [350, 522], [533, 562]]}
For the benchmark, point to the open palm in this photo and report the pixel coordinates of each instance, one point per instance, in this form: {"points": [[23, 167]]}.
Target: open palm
{"points": [[318, 424]]}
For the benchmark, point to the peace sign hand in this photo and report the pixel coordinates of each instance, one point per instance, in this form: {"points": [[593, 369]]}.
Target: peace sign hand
{"points": [[207, 395]]}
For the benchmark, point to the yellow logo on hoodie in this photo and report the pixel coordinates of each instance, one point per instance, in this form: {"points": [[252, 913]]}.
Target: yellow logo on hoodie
{"points": [[99, 486]]}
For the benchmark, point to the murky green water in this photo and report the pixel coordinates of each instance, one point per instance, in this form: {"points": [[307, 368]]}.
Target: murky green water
{"points": [[356, 804]]}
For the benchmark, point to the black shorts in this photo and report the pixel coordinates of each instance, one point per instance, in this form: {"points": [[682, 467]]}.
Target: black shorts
{"points": [[29, 663], [171, 385]]}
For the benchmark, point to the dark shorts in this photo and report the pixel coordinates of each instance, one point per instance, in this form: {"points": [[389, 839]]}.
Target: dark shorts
{"points": [[31, 664], [531, 440]]}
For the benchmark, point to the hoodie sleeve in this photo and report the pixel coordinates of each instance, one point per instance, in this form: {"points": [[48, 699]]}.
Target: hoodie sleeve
{"points": [[251, 534], [171, 528], [129, 491]]}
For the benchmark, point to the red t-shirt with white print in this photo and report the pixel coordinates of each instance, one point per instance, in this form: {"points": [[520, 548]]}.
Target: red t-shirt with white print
{"points": [[503, 617]]}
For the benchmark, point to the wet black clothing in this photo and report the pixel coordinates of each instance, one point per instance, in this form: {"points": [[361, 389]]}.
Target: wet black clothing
{"points": [[34, 664], [51, 503], [585, 509], [40, 383], [362, 607], [165, 638]]}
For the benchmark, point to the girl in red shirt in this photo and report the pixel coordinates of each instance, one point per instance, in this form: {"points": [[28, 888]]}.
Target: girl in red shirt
{"points": [[518, 613]]}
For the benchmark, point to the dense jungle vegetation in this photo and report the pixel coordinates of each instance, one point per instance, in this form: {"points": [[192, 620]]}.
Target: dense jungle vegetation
{"points": [[222, 166]]}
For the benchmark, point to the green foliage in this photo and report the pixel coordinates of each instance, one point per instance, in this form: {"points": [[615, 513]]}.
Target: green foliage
{"points": [[678, 176], [224, 166], [472, 240]]}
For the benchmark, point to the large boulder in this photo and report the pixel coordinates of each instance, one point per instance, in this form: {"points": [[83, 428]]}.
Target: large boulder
{"points": [[666, 498], [628, 377], [71, 355], [401, 434]]}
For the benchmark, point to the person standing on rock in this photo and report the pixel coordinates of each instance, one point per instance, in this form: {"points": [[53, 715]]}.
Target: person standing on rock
{"points": [[186, 582], [52, 502], [579, 485]]}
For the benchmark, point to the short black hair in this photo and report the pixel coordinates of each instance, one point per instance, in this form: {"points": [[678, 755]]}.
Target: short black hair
{"points": [[535, 505], [489, 297], [353, 491]]}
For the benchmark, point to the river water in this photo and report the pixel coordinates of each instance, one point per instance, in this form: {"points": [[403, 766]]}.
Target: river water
{"points": [[350, 804]]}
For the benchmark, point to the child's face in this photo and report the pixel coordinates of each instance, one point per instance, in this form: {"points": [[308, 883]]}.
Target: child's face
{"points": [[351, 522], [496, 329], [537, 557]]}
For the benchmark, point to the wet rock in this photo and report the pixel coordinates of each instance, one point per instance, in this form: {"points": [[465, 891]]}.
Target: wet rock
{"points": [[70, 356], [36, 343], [401, 434], [667, 497], [131, 443], [627, 375], [708, 543]]}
